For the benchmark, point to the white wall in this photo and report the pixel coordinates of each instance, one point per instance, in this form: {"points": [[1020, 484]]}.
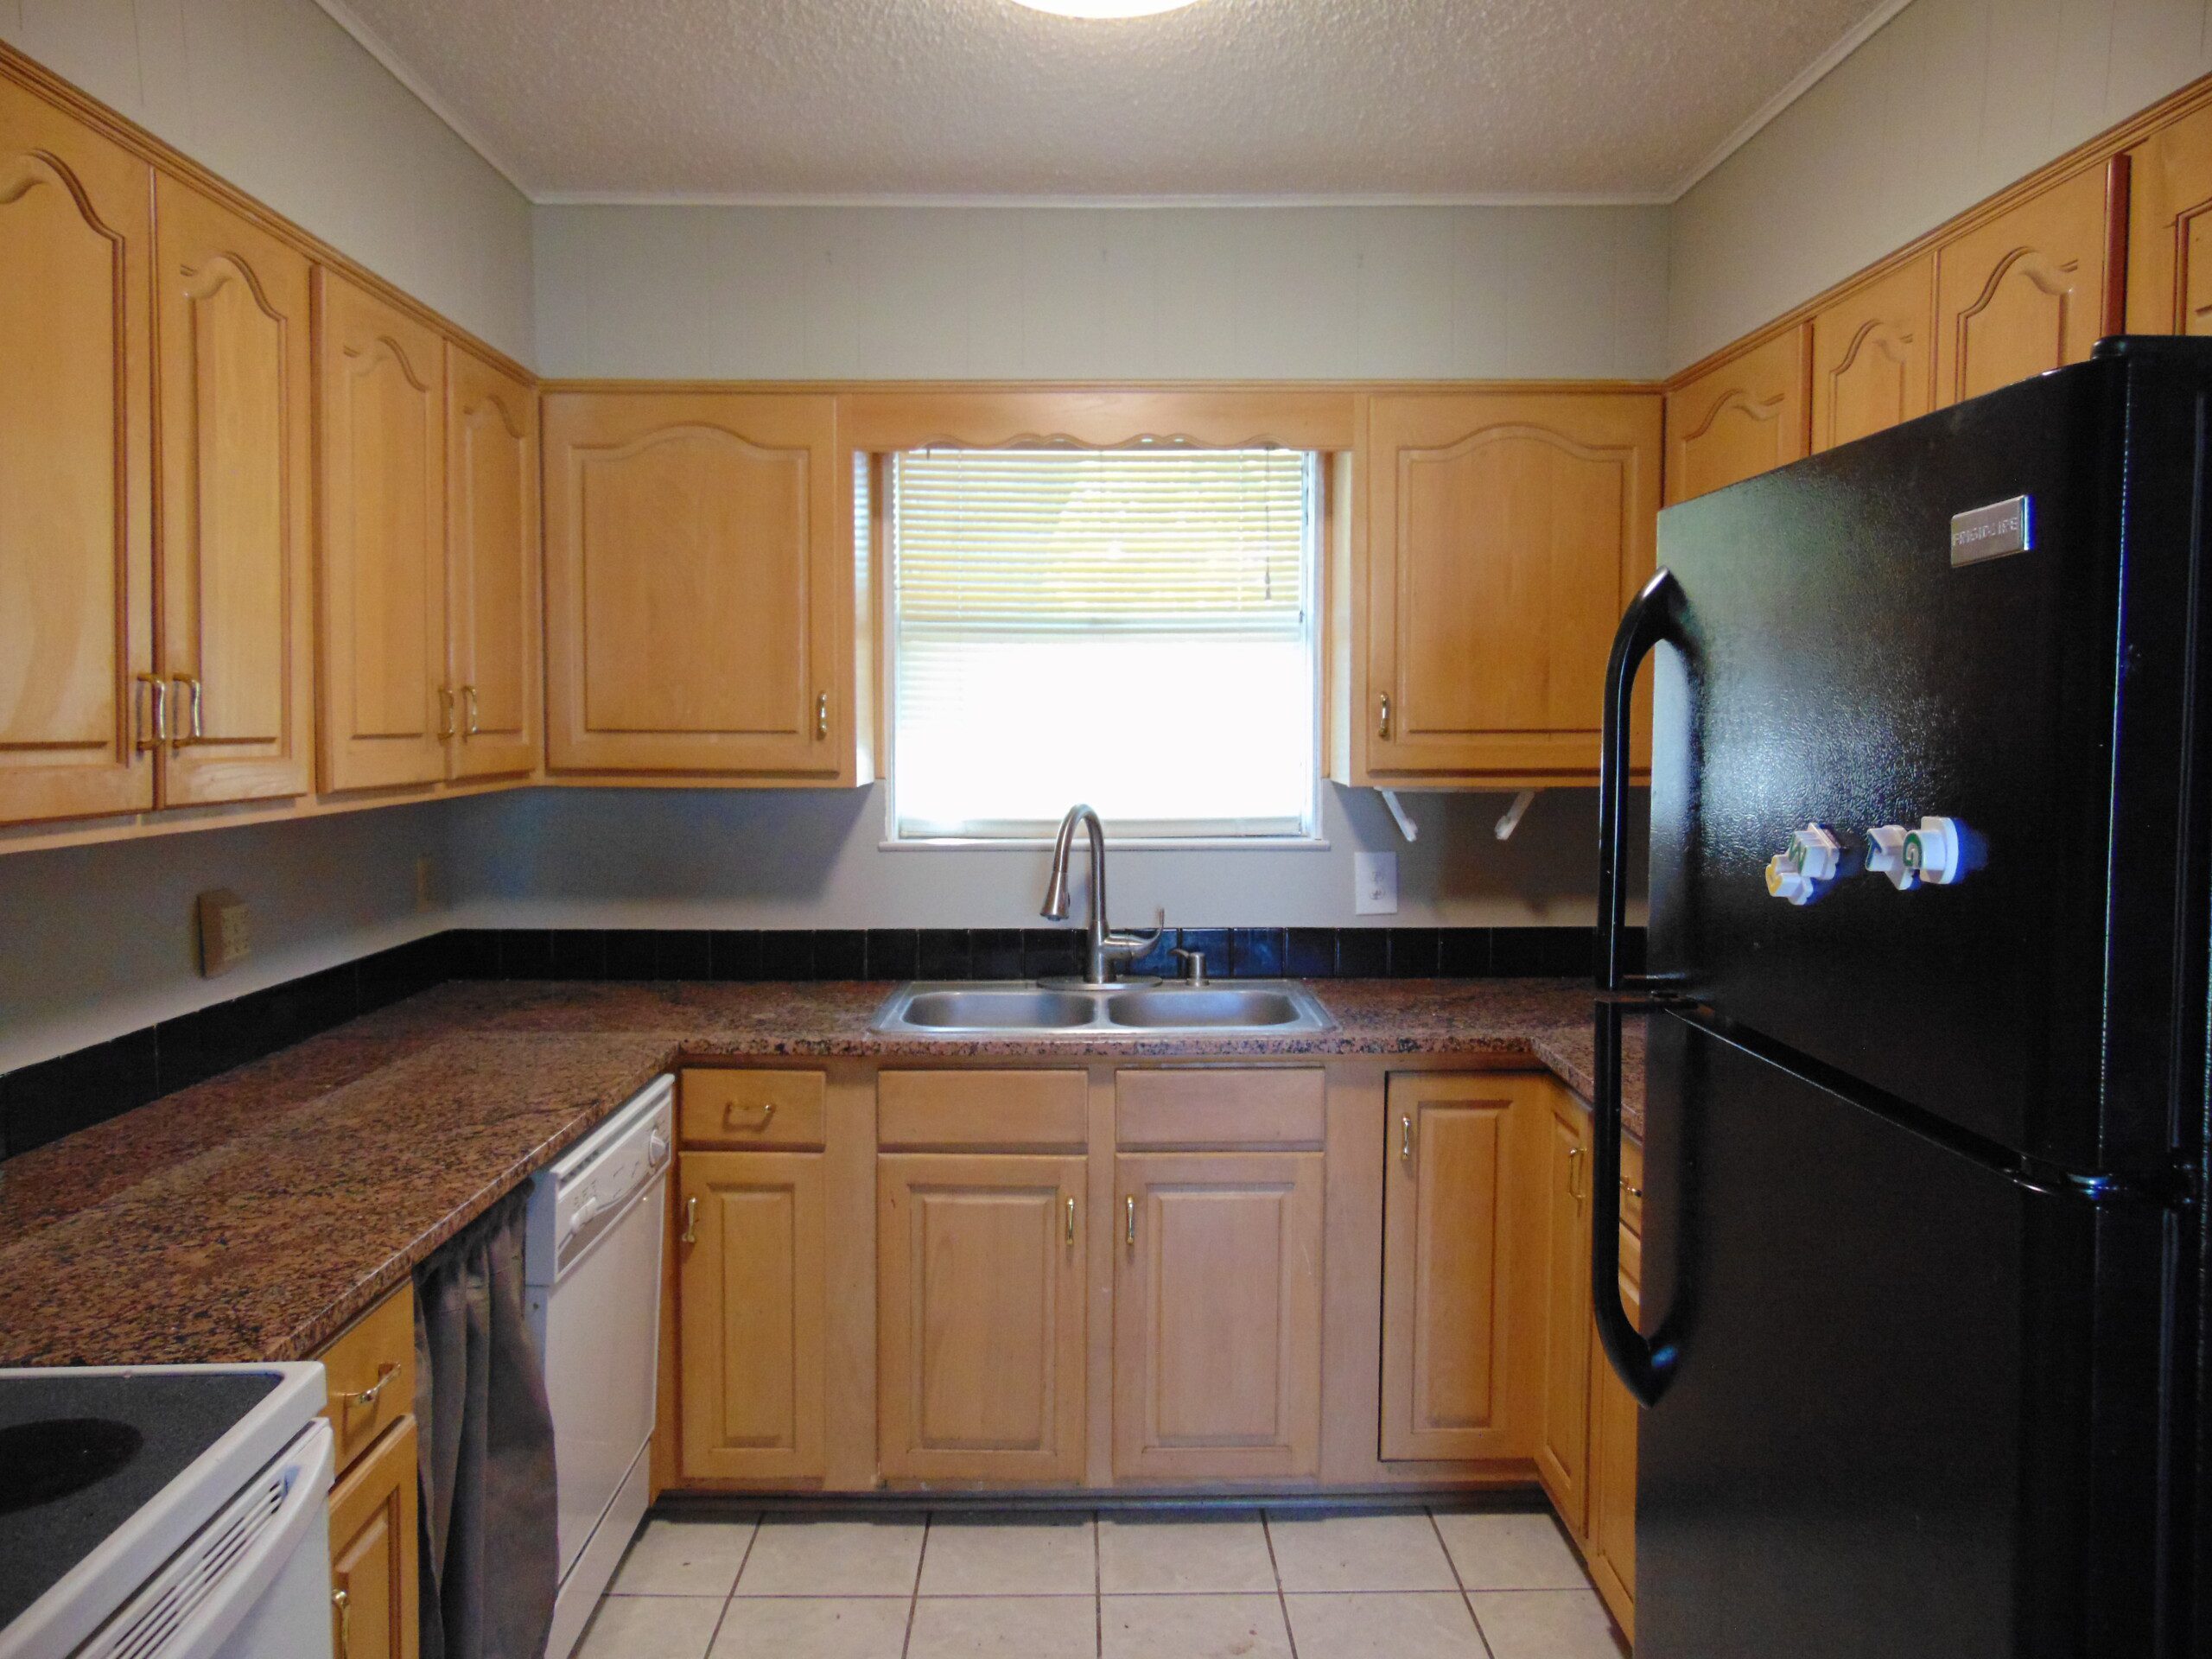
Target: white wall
{"points": [[1950, 102], [278, 99], [813, 858], [96, 941], [1071, 293]]}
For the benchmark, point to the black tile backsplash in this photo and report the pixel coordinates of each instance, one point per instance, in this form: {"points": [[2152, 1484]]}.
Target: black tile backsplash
{"points": [[39, 1103]]}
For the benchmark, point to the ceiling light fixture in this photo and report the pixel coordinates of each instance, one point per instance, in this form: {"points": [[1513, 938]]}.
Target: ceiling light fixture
{"points": [[1105, 9]]}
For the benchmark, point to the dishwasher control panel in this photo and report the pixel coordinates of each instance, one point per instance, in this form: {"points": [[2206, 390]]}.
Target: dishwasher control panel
{"points": [[593, 1183]]}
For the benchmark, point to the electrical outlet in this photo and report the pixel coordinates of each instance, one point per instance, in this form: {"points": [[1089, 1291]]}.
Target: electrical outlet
{"points": [[1375, 884], [426, 882], [225, 931]]}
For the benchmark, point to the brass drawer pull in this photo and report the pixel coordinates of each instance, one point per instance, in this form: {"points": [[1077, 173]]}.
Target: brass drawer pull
{"points": [[730, 1112], [1406, 1139], [1636, 1192], [370, 1395], [822, 716], [446, 732], [1383, 720], [468, 695], [690, 1221], [1070, 1220], [344, 1603], [193, 727], [1574, 1172], [157, 693], [1132, 1233]]}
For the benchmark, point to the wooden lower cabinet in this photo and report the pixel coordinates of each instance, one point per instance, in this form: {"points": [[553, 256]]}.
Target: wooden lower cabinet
{"points": [[1218, 1316], [375, 1595], [1563, 1432], [752, 1290], [1458, 1283], [980, 1356], [1610, 1547]]}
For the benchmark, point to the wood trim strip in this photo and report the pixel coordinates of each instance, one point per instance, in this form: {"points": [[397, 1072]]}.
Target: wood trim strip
{"points": [[35, 77], [2118, 184], [2113, 143], [619, 384]]}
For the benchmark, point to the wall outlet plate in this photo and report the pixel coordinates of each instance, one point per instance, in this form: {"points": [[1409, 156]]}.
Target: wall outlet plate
{"points": [[1375, 884], [225, 931]]}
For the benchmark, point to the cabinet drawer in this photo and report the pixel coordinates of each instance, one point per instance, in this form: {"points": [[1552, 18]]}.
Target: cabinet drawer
{"points": [[1632, 1185], [371, 1371], [739, 1109], [981, 1109], [1250, 1107]]}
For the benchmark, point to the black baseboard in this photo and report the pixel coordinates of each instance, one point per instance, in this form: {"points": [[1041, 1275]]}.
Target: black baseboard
{"points": [[43, 1103]]}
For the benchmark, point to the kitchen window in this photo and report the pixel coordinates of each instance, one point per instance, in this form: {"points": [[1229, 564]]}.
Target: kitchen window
{"points": [[1132, 627]]}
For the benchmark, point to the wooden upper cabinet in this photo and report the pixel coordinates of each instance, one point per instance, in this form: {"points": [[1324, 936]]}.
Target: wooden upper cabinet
{"points": [[699, 578], [493, 614], [980, 1296], [1741, 417], [76, 530], [1459, 1296], [381, 513], [752, 1290], [1218, 1316], [1563, 1437], [2032, 289], [1506, 533], [2170, 229], [233, 322], [1874, 355]]}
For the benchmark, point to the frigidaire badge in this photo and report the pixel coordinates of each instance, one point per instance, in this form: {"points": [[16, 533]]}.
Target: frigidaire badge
{"points": [[1993, 532]]}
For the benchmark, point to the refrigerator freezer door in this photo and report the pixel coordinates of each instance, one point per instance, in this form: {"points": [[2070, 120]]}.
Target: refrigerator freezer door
{"points": [[2012, 971], [1880, 1438]]}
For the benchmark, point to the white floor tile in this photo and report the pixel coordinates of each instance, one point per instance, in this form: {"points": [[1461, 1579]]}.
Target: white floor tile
{"points": [[1010, 1555], [683, 1558], [1015, 1627], [1323, 1551], [807, 1556], [1182, 1553], [795, 1627], [1511, 1551], [1432, 1625], [1546, 1625], [1194, 1627], [651, 1627]]}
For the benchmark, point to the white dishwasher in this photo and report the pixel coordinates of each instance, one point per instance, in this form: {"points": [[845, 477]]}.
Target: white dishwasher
{"points": [[592, 1263]]}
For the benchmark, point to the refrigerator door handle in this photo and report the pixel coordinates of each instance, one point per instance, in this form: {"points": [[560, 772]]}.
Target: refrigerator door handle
{"points": [[1644, 1365]]}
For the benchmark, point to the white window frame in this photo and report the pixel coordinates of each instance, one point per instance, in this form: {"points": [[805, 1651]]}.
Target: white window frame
{"points": [[882, 531]]}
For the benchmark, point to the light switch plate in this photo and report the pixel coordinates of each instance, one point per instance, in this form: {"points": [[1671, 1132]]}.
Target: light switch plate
{"points": [[1375, 884], [225, 931]]}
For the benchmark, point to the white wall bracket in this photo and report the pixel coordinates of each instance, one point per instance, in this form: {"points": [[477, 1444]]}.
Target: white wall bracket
{"points": [[1403, 819], [1511, 821]]}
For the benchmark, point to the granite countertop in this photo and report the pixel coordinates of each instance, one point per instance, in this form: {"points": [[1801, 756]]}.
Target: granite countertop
{"points": [[255, 1216]]}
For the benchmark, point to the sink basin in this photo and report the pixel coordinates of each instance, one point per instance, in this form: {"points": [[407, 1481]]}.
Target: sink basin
{"points": [[1208, 1010], [1275, 1006], [1011, 1010]]}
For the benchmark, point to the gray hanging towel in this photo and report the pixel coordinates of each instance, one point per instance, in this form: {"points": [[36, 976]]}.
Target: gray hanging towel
{"points": [[491, 1562]]}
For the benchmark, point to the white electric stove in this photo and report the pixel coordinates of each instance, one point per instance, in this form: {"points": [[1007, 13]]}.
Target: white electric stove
{"points": [[164, 1512]]}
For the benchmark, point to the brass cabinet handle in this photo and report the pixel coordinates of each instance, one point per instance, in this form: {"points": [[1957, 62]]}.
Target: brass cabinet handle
{"points": [[1406, 1139], [445, 713], [157, 691], [1636, 1192], [1383, 720], [1573, 1172], [194, 727], [1132, 1233], [730, 1112], [369, 1396], [344, 1603], [468, 694], [821, 715], [1070, 1220], [690, 1221]]}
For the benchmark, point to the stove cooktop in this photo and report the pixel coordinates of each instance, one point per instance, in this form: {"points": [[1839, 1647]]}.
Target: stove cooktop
{"points": [[80, 1454]]}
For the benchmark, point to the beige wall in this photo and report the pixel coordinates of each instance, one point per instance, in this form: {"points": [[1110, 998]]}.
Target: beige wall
{"points": [[1072, 293], [1950, 102], [278, 99]]}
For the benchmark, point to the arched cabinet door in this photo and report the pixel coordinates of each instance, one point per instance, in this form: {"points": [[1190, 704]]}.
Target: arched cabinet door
{"points": [[699, 587], [492, 568], [1506, 533], [2031, 289], [388, 708], [76, 528], [1741, 417], [232, 332], [1874, 355]]}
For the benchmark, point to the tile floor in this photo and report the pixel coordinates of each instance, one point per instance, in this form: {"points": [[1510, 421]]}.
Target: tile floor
{"points": [[1406, 1584]]}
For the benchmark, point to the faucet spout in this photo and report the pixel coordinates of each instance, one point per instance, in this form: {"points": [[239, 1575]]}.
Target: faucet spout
{"points": [[1102, 947]]}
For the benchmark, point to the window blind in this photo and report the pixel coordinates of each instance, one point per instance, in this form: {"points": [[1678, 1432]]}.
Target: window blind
{"points": [[1132, 627]]}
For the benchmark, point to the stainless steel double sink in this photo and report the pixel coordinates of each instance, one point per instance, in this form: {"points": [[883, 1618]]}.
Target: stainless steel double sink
{"points": [[1274, 1008]]}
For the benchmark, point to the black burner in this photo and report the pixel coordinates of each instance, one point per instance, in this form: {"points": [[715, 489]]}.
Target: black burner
{"points": [[56, 1456]]}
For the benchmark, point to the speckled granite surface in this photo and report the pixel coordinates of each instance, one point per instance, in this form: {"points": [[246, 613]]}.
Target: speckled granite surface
{"points": [[255, 1216]]}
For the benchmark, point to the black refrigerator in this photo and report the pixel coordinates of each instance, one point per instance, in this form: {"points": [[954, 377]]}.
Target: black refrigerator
{"points": [[1923, 1355]]}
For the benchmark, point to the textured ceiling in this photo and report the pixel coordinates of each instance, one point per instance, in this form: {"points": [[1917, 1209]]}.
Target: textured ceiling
{"points": [[810, 98]]}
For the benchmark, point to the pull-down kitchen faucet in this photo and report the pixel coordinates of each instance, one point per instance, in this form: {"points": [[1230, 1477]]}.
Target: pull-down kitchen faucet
{"points": [[1102, 946]]}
